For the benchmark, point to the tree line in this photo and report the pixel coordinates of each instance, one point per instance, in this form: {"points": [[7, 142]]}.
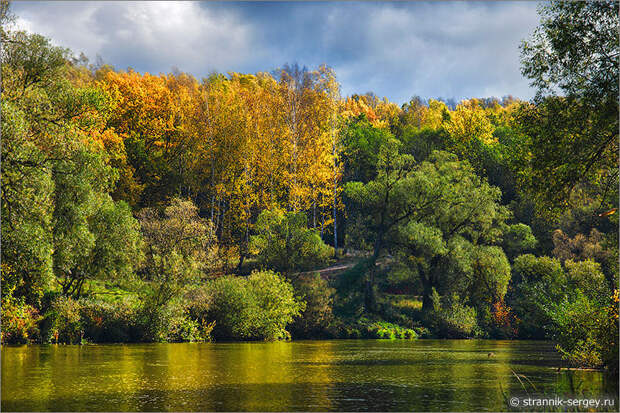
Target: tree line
{"points": [[140, 207]]}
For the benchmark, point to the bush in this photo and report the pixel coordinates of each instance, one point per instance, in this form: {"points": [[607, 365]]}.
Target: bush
{"points": [[576, 321], [174, 322], [66, 323], [183, 328], [285, 244], [255, 308], [19, 322], [587, 276], [372, 329], [106, 322], [452, 319], [317, 316], [538, 283], [74, 321]]}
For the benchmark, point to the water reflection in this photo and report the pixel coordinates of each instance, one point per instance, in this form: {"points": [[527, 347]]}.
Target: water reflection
{"points": [[351, 375]]}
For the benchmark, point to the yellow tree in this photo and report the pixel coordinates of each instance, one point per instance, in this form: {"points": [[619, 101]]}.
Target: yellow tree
{"points": [[468, 122]]}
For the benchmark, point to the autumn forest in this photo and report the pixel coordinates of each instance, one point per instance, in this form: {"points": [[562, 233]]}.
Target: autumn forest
{"points": [[142, 207]]}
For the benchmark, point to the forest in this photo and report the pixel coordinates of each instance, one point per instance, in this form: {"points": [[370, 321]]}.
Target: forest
{"points": [[144, 208]]}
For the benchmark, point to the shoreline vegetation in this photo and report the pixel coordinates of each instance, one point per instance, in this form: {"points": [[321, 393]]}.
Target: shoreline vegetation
{"points": [[153, 208]]}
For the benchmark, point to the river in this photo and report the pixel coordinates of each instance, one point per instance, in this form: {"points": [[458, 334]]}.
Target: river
{"points": [[336, 375]]}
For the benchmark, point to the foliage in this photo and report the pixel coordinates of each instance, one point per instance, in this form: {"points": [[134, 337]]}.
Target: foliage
{"points": [[19, 320], [113, 322], [587, 277], [258, 307], [66, 325], [317, 316], [284, 243], [518, 239], [491, 275], [575, 50], [575, 322], [469, 122], [180, 247], [430, 198], [370, 328], [361, 143], [538, 282], [607, 334], [452, 319], [72, 321], [183, 327]]}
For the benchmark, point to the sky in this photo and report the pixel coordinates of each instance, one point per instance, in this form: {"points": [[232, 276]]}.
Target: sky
{"points": [[450, 49]]}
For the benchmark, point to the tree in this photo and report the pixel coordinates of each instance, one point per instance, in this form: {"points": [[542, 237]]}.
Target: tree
{"points": [[518, 239], [382, 204], [575, 48], [573, 138], [361, 143], [284, 243], [450, 244], [180, 246], [537, 282], [433, 214], [55, 172], [469, 122]]}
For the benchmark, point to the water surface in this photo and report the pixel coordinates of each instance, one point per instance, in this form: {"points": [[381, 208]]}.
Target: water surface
{"points": [[350, 375]]}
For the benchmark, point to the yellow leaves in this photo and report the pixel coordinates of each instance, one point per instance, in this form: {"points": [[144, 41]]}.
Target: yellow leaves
{"points": [[469, 122], [153, 107], [357, 105]]}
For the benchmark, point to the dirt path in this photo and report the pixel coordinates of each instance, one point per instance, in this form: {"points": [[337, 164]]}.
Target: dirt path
{"points": [[332, 270]]}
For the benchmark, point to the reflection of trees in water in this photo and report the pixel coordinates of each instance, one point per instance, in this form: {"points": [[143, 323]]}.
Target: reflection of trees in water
{"points": [[350, 375]]}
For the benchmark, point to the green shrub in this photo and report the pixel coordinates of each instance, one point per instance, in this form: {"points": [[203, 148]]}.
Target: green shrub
{"points": [[587, 276], [110, 322], [66, 323], [575, 323], [72, 321], [285, 244], [258, 307], [182, 328], [354, 328], [452, 319], [317, 316], [538, 283], [410, 334]]}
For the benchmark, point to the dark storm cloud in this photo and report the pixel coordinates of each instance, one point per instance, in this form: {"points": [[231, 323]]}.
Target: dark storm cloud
{"points": [[448, 49]]}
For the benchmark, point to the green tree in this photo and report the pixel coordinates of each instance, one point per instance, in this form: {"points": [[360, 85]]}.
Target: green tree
{"points": [[434, 215], [284, 243], [55, 174], [383, 203], [361, 143], [180, 247], [572, 138], [518, 239], [450, 244], [537, 282], [317, 316]]}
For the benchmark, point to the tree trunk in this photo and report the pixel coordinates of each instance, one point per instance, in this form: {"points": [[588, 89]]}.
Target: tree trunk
{"points": [[427, 295], [370, 300]]}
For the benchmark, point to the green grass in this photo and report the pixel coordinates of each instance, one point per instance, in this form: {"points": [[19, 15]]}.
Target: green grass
{"points": [[404, 302]]}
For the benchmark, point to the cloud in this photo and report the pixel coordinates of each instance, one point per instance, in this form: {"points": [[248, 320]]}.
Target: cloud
{"points": [[149, 36], [448, 49]]}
